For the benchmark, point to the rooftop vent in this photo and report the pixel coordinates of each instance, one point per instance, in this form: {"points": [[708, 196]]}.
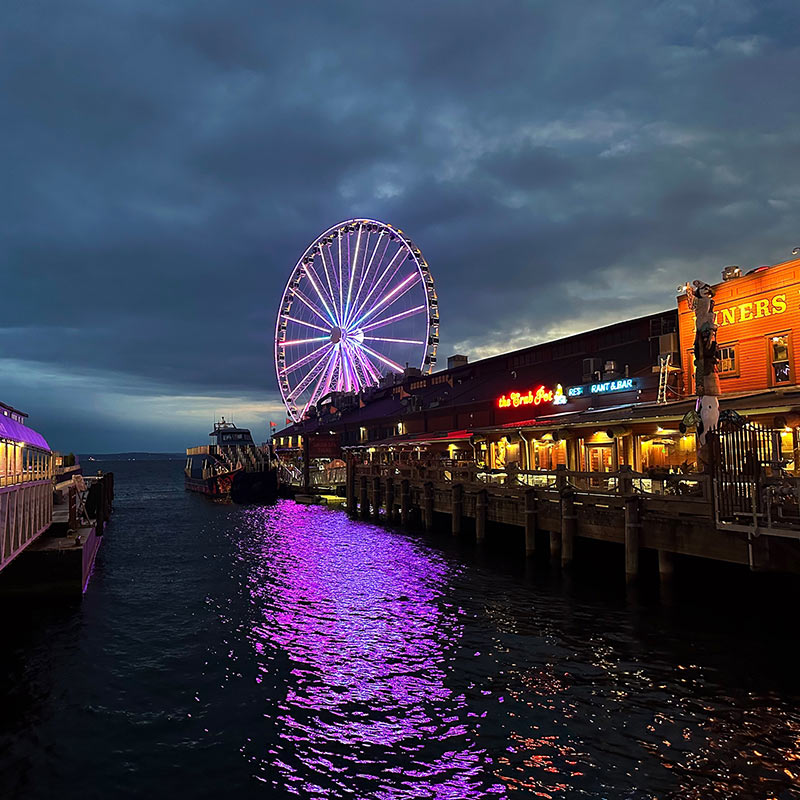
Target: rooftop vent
{"points": [[729, 273], [457, 361]]}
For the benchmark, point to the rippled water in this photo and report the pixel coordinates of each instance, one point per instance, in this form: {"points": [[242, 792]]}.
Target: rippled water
{"points": [[289, 651]]}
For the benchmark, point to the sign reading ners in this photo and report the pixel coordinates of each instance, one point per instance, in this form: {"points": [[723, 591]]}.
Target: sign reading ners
{"points": [[541, 395], [755, 309]]}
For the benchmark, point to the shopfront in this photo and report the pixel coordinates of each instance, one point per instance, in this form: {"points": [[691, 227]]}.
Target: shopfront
{"points": [[756, 315]]}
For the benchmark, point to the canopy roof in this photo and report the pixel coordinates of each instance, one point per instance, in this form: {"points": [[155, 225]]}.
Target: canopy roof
{"points": [[11, 429]]}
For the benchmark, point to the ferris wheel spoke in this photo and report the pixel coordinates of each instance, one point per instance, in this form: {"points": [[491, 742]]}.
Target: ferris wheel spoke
{"points": [[311, 274], [307, 380], [367, 365], [306, 359], [390, 297], [320, 389], [318, 311], [394, 318], [365, 271], [360, 377], [353, 265], [304, 341], [307, 324], [380, 357], [325, 268], [341, 283], [396, 341], [378, 283]]}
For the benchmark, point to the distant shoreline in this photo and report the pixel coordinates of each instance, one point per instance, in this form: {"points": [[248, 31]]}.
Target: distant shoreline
{"points": [[133, 456]]}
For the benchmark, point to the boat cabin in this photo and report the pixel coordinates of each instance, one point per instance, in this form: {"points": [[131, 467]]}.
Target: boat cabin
{"points": [[227, 434]]}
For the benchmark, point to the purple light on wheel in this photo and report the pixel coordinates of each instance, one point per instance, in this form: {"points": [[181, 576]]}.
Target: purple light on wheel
{"points": [[350, 280]]}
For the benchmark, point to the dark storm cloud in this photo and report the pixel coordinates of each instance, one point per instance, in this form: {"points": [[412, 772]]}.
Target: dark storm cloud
{"points": [[560, 164]]}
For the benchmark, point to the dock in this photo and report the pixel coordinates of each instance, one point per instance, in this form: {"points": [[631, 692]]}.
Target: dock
{"points": [[552, 510]]}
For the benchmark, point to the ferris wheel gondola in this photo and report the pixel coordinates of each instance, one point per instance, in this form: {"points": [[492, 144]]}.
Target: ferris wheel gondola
{"points": [[359, 304]]}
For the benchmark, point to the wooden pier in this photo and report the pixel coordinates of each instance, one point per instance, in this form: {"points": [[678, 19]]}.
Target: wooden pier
{"points": [[59, 560], [673, 516]]}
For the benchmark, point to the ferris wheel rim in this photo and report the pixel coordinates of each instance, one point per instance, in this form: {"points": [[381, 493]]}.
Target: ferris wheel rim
{"points": [[362, 354]]}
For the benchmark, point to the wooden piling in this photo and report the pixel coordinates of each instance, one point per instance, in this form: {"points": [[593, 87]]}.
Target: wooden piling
{"points": [[100, 513], [390, 512], [632, 527], [405, 501], [376, 497], [427, 500], [73, 509], [363, 504], [350, 483], [531, 511], [666, 564], [481, 513], [457, 507], [306, 463]]}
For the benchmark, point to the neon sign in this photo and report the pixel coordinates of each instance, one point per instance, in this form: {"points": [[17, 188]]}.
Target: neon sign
{"points": [[533, 398], [604, 387]]}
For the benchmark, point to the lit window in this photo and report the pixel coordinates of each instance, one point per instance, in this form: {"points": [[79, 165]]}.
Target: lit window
{"points": [[727, 359], [779, 355]]}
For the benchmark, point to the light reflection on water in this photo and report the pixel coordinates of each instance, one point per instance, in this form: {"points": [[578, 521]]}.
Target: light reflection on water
{"points": [[416, 675]]}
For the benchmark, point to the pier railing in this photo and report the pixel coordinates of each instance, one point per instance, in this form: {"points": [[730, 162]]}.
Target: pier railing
{"points": [[26, 511]]}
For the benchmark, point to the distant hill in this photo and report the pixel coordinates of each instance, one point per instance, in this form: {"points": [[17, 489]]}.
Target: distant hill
{"points": [[88, 457]]}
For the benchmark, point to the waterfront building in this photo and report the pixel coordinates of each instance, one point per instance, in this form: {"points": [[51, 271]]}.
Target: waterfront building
{"points": [[26, 492], [596, 401]]}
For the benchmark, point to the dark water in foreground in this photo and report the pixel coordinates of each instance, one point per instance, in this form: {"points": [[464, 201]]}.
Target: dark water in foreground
{"points": [[288, 651]]}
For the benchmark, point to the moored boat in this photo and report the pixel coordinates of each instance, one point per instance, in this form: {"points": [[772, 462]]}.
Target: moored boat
{"points": [[232, 469]]}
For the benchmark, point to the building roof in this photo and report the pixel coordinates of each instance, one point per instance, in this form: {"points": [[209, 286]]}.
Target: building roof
{"points": [[17, 432]]}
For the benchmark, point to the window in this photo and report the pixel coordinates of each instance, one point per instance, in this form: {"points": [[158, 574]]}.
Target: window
{"points": [[780, 364], [728, 364]]}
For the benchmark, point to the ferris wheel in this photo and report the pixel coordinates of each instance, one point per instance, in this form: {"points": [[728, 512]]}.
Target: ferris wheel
{"points": [[360, 303]]}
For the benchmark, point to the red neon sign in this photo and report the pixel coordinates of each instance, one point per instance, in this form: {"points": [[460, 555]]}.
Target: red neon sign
{"points": [[516, 399]]}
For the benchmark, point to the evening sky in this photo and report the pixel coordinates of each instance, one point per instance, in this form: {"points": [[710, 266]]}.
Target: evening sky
{"points": [[561, 165]]}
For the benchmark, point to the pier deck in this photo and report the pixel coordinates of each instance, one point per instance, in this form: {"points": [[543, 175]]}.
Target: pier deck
{"points": [[673, 517]]}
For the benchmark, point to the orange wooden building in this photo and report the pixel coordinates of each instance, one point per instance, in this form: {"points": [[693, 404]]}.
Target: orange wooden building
{"points": [[757, 314]]}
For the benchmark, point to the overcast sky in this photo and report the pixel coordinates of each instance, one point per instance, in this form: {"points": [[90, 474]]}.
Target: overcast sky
{"points": [[560, 164]]}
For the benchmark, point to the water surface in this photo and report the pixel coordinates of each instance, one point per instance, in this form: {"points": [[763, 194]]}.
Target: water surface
{"points": [[288, 651]]}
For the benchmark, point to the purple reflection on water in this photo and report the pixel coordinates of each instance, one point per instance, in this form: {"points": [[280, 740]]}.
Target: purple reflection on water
{"points": [[362, 615]]}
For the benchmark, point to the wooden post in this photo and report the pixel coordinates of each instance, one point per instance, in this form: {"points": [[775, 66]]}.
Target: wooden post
{"points": [[363, 500], [390, 499], [100, 514], [666, 564], [405, 500], [632, 526], [561, 541], [428, 505], [457, 507], [352, 502], [73, 509], [108, 484], [530, 522], [568, 525], [306, 463], [376, 497], [481, 513]]}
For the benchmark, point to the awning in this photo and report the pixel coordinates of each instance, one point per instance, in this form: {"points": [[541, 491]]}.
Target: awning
{"points": [[417, 439], [16, 432]]}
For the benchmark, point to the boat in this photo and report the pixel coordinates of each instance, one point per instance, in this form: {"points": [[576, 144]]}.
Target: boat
{"points": [[231, 469]]}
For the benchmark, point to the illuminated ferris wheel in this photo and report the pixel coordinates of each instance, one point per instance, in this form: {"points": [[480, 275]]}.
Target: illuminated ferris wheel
{"points": [[359, 304]]}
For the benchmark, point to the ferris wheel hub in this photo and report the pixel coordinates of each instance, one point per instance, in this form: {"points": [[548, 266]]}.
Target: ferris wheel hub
{"points": [[336, 334]]}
